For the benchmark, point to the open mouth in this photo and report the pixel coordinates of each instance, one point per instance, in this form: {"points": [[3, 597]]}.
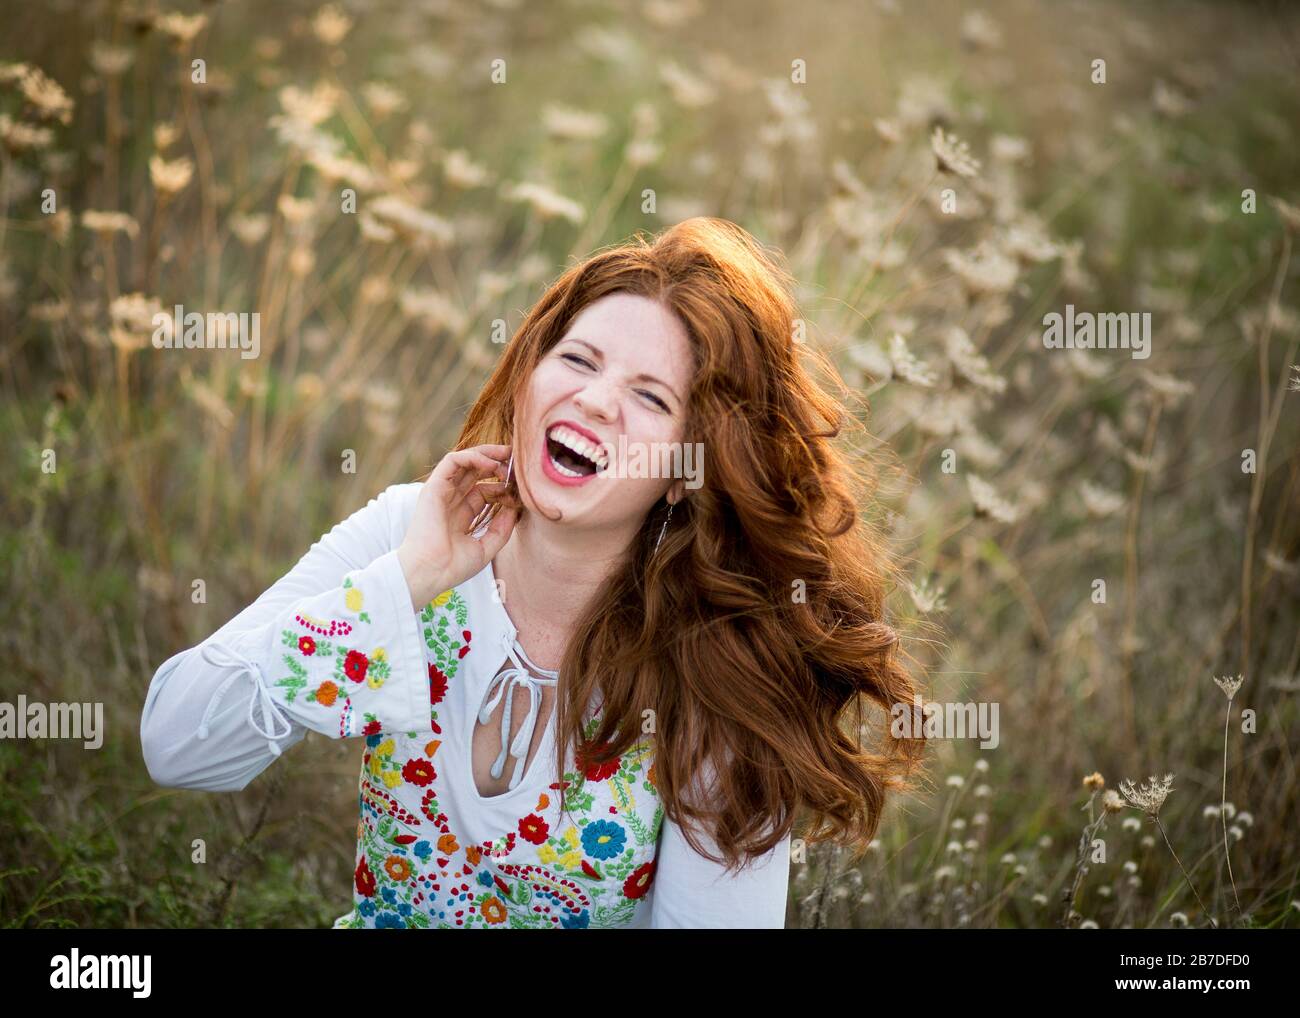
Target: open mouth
{"points": [[572, 455]]}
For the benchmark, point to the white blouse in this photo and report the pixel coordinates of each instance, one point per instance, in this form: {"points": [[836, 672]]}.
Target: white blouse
{"points": [[335, 646]]}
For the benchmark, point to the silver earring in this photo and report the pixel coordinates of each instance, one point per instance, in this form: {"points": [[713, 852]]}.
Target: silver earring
{"points": [[664, 527], [488, 513]]}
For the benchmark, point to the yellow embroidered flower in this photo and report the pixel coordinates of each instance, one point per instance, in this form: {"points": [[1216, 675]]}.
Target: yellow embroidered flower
{"points": [[353, 599], [374, 681], [379, 654], [546, 854], [571, 836], [571, 860], [376, 765], [392, 778], [385, 748], [441, 599]]}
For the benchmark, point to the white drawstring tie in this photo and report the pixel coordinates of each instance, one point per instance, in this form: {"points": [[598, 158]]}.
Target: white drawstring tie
{"points": [[503, 683], [227, 658]]}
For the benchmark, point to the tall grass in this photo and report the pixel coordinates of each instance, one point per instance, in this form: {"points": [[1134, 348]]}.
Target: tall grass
{"points": [[1024, 475]]}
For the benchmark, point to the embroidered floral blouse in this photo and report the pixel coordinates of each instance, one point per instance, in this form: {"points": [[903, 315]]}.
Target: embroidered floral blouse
{"points": [[335, 646]]}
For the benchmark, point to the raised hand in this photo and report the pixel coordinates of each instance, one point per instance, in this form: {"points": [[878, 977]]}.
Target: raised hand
{"points": [[439, 551]]}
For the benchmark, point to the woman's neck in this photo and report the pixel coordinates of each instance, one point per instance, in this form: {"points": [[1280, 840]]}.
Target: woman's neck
{"points": [[549, 578]]}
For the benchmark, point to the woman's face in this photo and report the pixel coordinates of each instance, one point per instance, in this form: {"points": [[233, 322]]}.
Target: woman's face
{"points": [[615, 387]]}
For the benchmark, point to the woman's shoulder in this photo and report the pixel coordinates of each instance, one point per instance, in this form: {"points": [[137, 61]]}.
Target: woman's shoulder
{"points": [[400, 500]]}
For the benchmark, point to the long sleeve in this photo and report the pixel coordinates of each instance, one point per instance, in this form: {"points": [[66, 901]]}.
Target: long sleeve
{"points": [[334, 646], [692, 892]]}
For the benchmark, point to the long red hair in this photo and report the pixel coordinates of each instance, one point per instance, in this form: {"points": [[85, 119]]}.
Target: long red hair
{"points": [[757, 633]]}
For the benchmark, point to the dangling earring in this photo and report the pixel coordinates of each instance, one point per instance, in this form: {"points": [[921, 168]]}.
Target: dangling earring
{"points": [[664, 527]]}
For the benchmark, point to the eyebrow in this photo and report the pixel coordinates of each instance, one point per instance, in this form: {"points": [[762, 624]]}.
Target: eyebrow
{"points": [[643, 377]]}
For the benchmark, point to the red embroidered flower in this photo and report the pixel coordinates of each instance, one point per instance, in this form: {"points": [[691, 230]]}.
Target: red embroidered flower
{"points": [[600, 771], [355, 665], [465, 635], [534, 829], [418, 772], [639, 880], [372, 728], [364, 879], [307, 645], [437, 684]]}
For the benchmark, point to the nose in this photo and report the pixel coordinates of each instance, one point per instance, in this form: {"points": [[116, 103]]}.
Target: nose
{"points": [[597, 399]]}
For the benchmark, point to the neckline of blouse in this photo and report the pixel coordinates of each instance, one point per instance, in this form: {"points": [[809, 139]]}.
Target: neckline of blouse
{"points": [[501, 685]]}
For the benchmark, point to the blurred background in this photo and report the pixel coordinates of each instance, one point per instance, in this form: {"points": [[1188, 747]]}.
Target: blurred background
{"points": [[1120, 157]]}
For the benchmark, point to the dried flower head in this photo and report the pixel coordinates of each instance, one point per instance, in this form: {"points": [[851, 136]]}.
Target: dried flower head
{"points": [[1150, 796], [952, 154], [545, 203], [45, 95], [170, 176], [1094, 781], [969, 363], [989, 503], [927, 597], [416, 223], [1098, 501], [907, 367], [110, 222], [1111, 801], [572, 124], [182, 27], [330, 24], [1229, 685], [985, 271], [110, 60]]}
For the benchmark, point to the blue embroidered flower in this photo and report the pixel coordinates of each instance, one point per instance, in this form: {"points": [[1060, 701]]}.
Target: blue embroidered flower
{"points": [[484, 878], [422, 849], [576, 922], [603, 839], [367, 907], [374, 740], [389, 921], [404, 908], [390, 895]]}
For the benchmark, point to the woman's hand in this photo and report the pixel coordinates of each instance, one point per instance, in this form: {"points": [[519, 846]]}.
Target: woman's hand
{"points": [[438, 553]]}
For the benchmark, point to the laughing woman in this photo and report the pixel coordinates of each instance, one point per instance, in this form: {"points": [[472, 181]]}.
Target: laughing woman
{"points": [[595, 689]]}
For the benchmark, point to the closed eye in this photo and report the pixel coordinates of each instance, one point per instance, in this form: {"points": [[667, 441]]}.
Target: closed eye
{"points": [[576, 359]]}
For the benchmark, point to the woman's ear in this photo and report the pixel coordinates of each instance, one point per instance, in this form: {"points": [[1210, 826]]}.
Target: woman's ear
{"points": [[676, 491]]}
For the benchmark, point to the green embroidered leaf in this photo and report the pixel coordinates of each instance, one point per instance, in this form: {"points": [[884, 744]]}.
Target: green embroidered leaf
{"points": [[291, 687]]}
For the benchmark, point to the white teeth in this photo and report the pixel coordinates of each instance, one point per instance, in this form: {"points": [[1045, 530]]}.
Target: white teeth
{"points": [[570, 439]]}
